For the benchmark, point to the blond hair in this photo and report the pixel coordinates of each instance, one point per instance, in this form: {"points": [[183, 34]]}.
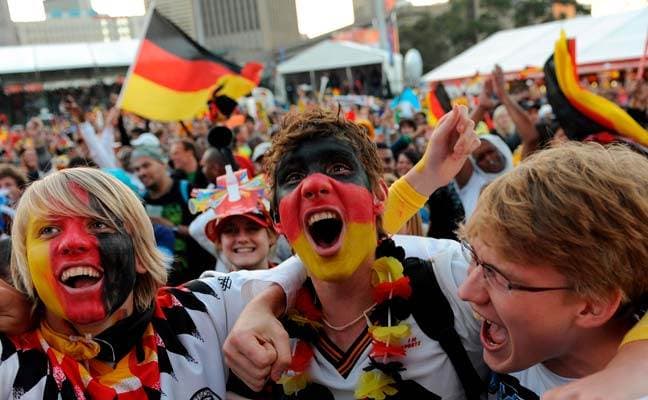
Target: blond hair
{"points": [[580, 208], [413, 226], [119, 208]]}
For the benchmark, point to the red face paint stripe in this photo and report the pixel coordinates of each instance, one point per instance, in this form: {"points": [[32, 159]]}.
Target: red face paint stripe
{"points": [[75, 245], [356, 203]]}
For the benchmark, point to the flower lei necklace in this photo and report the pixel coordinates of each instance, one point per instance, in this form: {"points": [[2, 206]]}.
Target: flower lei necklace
{"points": [[391, 291]]}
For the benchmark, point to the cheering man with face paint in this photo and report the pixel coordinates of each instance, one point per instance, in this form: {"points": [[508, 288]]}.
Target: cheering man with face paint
{"points": [[84, 252], [356, 327]]}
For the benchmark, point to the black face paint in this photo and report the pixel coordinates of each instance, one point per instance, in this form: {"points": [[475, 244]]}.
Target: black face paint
{"points": [[117, 254], [118, 262]]}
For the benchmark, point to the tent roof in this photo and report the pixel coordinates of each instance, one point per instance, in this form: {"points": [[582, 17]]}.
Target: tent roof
{"points": [[598, 40], [32, 58], [331, 54]]}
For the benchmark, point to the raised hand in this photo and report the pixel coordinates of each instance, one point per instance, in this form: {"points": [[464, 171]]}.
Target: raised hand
{"points": [[498, 82], [450, 145], [486, 101]]}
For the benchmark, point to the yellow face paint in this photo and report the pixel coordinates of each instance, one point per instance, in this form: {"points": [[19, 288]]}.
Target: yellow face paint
{"points": [[359, 244], [38, 261]]}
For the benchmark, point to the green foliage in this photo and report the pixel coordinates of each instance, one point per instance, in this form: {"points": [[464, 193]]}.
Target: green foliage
{"points": [[443, 36], [531, 11]]}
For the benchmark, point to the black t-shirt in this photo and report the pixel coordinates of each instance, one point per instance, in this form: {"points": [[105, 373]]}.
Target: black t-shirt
{"points": [[197, 179], [190, 260], [446, 213]]}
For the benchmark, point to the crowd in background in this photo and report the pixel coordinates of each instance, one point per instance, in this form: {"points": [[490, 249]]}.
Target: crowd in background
{"points": [[164, 162]]}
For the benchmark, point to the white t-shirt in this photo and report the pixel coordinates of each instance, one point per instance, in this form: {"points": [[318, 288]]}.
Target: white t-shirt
{"points": [[195, 328], [539, 379], [426, 363]]}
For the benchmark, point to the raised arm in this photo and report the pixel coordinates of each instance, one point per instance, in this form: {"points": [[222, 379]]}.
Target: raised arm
{"points": [[486, 102], [451, 143], [523, 123]]}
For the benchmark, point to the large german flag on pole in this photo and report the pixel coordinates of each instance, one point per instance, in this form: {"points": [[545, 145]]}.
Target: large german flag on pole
{"points": [[173, 76]]}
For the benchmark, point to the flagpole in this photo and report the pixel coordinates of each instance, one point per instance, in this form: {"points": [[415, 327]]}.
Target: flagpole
{"points": [[147, 22], [642, 60]]}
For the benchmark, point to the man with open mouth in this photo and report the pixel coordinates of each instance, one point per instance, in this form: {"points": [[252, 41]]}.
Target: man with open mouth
{"points": [[105, 328], [347, 342], [556, 300], [358, 326]]}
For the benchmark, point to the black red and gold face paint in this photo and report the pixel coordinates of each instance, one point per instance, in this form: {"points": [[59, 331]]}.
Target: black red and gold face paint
{"points": [[326, 208], [99, 258]]}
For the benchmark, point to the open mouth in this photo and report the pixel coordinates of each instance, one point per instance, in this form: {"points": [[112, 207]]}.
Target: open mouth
{"points": [[493, 336], [80, 277], [325, 230]]}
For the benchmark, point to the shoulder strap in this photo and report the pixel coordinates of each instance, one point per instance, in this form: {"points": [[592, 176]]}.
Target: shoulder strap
{"points": [[433, 314], [509, 387], [184, 189]]}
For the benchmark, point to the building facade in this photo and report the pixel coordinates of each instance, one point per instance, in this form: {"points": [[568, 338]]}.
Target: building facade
{"points": [[8, 35], [68, 21]]}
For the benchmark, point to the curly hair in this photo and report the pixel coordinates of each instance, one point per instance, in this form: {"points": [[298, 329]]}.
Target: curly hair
{"points": [[579, 208], [297, 128]]}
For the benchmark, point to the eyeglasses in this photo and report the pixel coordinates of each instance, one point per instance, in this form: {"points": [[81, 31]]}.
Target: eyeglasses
{"points": [[496, 279]]}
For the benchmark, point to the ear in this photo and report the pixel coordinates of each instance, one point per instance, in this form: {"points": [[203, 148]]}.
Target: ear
{"points": [[272, 235], [218, 244], [140, 269], [379, 197], [596, 312]]}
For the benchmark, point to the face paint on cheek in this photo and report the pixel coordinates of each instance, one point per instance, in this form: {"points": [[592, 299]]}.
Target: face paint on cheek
{"points": [[357, 238], [45, 283], [118, 261], [50, 255]]}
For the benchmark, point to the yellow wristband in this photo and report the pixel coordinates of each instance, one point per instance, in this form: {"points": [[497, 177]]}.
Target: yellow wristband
{"points": [[403, 201]]}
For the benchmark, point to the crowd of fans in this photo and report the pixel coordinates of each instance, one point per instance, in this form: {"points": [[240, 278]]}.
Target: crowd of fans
{"points": [[164, 162]]}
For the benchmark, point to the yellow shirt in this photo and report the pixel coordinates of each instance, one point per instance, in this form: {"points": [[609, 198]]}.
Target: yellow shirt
{"points": [[639, 332]]}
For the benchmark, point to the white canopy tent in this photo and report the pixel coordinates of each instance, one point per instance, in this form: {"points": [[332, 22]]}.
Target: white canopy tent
{"points": [[329, 54], [608, 42], [52, 57]]}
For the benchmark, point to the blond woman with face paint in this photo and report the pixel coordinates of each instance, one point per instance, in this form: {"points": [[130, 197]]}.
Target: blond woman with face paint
{"points": [[85, 255]]}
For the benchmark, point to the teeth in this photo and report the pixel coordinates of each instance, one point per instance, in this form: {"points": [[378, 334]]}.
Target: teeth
{"points": [[244, 250], [320, 216], [79, 271]]}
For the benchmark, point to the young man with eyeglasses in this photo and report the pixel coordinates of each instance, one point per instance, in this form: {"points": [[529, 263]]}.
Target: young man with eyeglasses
{"points": [[557, 252]]}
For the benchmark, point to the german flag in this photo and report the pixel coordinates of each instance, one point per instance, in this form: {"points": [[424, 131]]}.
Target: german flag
{"points": [[580, 112], [174, 77], [438, 103]]}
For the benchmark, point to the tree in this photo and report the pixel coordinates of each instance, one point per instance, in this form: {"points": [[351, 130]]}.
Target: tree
{"points": [[443, 36]]}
